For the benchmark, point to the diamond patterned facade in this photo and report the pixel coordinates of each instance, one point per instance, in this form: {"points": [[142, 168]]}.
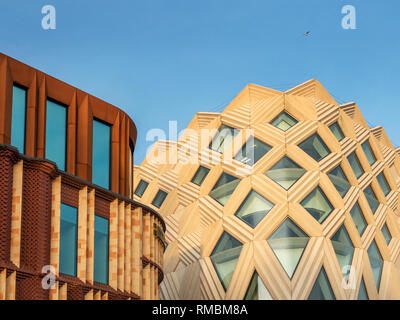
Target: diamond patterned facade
{"points": [[304, 218]]}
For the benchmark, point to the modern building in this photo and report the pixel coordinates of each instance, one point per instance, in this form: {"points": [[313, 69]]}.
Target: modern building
{"points": [[69, 226], [282, 195]]}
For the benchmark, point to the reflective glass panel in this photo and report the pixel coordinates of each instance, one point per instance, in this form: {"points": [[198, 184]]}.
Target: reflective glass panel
{"points": [[368, 153], [56, 133], [337, 132], [225, 256], [254, 208], [101, 154], [344, 250], [315, 147], [288, 243], [223, 138], [355, 165], [318, 205], [322, 289], [141, 188], [284, 121], [252, 151], [68, 239], [371, 198], [358, 219], [200, 175], [159, 198], [257, 289], [362, 293], [18, 118], [224, 188], [376, 261], [285, 172], [383, 183], [386, 234], [101, 231], [339, 180]]}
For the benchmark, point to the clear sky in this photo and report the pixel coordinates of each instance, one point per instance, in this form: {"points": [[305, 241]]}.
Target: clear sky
{"points": [[163, 60]]}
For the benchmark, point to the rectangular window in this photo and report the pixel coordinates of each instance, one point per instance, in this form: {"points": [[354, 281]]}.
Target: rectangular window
{"points": [[56, 133], [101, 227], [68, 239], [101, 154], [141, 188], [200, 175], [18, 116], [159, 198]]}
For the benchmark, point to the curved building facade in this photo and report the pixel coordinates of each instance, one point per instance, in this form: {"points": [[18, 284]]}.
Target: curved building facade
{"points": [[70, 229], [283, 195]]}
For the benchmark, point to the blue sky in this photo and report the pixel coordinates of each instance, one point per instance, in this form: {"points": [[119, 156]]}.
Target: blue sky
{"points": [[165, 60]]}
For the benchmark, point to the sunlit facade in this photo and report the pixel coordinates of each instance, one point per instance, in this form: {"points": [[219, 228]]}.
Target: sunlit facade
{"points": [[66, 208], [283, 195]]}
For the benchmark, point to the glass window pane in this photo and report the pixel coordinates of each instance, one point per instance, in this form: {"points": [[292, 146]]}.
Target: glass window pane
{"points": [[56, 133], [368, 153], [18, 115], [254, 208], [315, 147], [101, 154], [386, 234], [285, 173], [355, 165], [376, 261], [223, 138], [383, 183], [337, 132], [200, 175], [284, 121], [339, 180], [344, 250], [371, 198], [224, 188], [358, 219], [252, 151], [257, 290], [318, 205], [322, 289], [68, 239], [225, 256], [159, 198], [288, 243], [362, 293], [141, 188], [101, 231]]}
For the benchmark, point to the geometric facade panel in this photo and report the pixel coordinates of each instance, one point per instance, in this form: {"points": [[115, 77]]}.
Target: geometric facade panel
{"points": [[253, 209], [224, 188], [288, 243], [225, 256], [322, 289], [376, 261], [339, 180], [285, 172], [257, 289], [284, 121], [315, 147], [290, 188], [318, 205]]}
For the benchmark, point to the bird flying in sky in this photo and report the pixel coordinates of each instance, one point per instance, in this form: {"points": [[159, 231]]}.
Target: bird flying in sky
{"points": [[307, 33]]}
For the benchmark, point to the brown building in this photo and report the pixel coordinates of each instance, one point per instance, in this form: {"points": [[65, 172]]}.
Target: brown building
{"points": [[69, 228]]}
